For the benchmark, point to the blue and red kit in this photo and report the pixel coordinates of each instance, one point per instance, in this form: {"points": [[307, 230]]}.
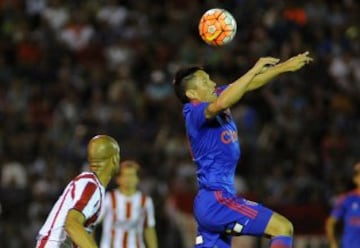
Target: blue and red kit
{"points": [[215, 148], [347, 208]]}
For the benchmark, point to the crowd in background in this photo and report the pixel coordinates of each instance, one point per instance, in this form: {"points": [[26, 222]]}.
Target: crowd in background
{"points": [[72, 69]]}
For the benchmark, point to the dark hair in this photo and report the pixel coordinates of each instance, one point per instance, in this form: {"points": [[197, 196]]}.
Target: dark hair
{"points": [[181, 78]]}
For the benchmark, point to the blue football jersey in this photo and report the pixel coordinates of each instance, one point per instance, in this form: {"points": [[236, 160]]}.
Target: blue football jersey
{"points": [[347, 208], [214, 146]]}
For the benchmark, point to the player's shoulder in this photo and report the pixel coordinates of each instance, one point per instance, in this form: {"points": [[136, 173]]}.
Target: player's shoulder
{"points": [[145, 195], [146, 200], [346, 196], [194, 106], [86, 177], [142, 196], [353, 194]]}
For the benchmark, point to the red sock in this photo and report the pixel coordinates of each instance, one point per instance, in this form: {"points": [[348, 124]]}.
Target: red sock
{"points": [[281, 242]]}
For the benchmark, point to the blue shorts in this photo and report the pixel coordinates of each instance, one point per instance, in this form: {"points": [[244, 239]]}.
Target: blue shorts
{"points": [[217, 212]]}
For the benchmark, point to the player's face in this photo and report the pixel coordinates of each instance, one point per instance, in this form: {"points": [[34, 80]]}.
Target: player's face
{"points": [[128, 178], [356, 179], [203, 87], [116, 164]]}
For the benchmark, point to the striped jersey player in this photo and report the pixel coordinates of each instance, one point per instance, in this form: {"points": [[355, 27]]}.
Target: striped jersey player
{"points": [[76, 212], [84, 194], [129, 220]]}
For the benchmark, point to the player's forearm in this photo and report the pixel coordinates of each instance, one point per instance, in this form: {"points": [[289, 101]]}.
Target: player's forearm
{"points": [[235, 91], [150, 238], [330, 229], [80, 237], [265, 77], [293, 64], [74, 226]]}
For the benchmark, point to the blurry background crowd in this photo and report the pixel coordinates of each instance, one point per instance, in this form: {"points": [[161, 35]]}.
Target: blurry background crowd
{"points": [[72, 69]]}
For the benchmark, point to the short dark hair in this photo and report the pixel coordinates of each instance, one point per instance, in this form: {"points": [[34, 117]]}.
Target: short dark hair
{"points": [[180, 81]]}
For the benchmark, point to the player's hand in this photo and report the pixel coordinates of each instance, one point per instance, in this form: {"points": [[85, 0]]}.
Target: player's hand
{"points": [[297, 62], [264, 63], [334, 245]]}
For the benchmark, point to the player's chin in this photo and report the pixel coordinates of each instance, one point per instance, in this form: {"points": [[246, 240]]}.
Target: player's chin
{"points": [[212, 97], [115, 170]]}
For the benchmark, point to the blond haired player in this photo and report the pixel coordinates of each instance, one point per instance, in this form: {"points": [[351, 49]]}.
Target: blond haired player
{"points": [[129, 220], [77, 210]]}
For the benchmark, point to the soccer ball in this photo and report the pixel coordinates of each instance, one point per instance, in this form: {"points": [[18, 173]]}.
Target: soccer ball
{"points": [[217, 27]]}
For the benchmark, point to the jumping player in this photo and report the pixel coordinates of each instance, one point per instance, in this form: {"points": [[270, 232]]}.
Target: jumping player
{"points": [[347, 210], [215, 148], [77, 210], [129, 220]]}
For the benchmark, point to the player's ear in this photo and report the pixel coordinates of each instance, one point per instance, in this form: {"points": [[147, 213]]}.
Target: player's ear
{"points": [[191, 93]]}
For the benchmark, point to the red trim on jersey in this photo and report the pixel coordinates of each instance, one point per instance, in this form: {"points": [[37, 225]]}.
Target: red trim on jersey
{"points": [[143, 201], [96, 215], [42, 243], [128, 210], [128, 215], [113, 205], [90, 175], [86, 176], [85, 197], [73, 191], [125, 238], [278, 244], [91, 220], [195, 102], [45, 239], [247, 211]]}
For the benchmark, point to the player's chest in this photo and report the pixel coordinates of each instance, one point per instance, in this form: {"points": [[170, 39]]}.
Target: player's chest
{"points": [[224, 118], [130, 210], [353, 212]]}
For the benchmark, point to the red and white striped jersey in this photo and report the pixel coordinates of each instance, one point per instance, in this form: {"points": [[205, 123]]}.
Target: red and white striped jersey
{"points": [[125, 218], [85, 194]]}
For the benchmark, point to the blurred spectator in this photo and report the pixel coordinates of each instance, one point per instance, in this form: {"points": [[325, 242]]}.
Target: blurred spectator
{"points": [[113, 14], [78, 32], [55, 14]]}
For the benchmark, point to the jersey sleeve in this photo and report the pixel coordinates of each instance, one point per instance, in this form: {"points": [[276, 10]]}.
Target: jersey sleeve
{"points": [[87, 198], [339, 208], [106, 206], [149, 213]]}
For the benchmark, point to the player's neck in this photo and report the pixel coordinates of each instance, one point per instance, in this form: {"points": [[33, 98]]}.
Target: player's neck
{"points": [[104, 178], [127, 192]]}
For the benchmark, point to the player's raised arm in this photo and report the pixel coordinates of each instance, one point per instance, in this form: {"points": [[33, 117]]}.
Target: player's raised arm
{"points": [[237, 89], [293, 64]]}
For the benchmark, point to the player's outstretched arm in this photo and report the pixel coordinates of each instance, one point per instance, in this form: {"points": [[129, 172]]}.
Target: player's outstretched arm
{"points": [[74, 227], [293, 64], [237, 89]]}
